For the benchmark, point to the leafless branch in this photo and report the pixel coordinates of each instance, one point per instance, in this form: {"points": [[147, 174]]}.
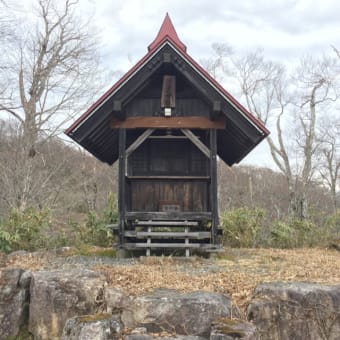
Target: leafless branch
{"points": [[53, 76]]}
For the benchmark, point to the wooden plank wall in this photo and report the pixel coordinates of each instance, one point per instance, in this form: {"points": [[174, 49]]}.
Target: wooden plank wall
{"points": [[146, 195], [171, 158]]}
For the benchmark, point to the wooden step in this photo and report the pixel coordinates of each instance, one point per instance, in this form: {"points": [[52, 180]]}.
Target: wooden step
{"points": [[166, 223], [163, 245], [167, 216], [211, 248], [112, 226], [166, 234]]}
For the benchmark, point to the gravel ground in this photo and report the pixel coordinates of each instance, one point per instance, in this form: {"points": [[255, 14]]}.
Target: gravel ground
{"points": [[86, 261], [64, 259]]}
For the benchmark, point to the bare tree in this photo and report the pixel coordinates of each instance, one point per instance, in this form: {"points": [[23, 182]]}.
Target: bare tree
{"points": [[316, 87], [220, 63], [55, 66], [329, 156], [5, 30], [5, 35], [53, 70], [257, 187], [290, 106], [264, 87]]}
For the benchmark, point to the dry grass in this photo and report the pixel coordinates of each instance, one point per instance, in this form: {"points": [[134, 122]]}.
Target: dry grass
{"points": [[236, 272]]}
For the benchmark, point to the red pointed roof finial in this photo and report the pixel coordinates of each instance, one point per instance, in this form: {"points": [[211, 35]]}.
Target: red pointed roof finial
{"points": [[167, 31]]}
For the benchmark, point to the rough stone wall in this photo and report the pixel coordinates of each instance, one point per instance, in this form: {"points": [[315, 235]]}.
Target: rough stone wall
{"points": [[77, 304]]}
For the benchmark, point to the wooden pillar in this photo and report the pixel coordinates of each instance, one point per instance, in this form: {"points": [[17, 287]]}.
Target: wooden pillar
{"points": [[148, 241], [187, 250], [122, 186], [213, 185]]}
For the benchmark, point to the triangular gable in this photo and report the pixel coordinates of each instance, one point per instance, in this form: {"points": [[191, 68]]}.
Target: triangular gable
{"points": [[243, 133]]}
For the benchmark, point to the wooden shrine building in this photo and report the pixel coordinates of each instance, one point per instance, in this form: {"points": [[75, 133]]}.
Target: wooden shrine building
{"points": [[166, 121]]}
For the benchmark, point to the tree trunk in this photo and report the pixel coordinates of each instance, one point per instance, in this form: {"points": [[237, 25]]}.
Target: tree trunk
{"points": [[25, 185]]}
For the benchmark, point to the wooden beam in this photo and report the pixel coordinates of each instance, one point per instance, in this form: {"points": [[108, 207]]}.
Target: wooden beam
{"points": [[217, 109], [167, 216], [197, 142], [170, 177], [117, 109], [169, 234], [213, 185], [122, 186], [138, 141], [179, 122], [117, 106], [168, 96], [167, 223], [217, 106], [163, 245]]}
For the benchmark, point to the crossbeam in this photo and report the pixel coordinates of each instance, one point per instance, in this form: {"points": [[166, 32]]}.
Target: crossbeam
{"points": [[138, 141], [179, 122], [197, 142]]}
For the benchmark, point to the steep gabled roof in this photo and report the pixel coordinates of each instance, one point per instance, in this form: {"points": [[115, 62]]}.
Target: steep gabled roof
{"points": [[166, 36], [167, 32]]}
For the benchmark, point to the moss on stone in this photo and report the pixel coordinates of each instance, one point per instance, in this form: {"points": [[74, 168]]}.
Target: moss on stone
{"points": [[228, 327], [24, 334], [88, 250], [106, 252]]}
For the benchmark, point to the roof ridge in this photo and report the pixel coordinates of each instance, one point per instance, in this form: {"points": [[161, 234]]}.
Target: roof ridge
{"points": [[167, 31]]}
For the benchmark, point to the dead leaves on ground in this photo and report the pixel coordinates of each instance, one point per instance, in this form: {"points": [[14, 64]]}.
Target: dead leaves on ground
{"points": [[236, 272]]}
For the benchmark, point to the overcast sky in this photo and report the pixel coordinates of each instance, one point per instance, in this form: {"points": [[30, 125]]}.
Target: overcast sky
{"points": [[285, 29]]}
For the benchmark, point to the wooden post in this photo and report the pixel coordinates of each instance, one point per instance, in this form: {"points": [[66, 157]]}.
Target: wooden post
{"points": [[213, 185], [148, 241], [122, 186], [187, 250]]}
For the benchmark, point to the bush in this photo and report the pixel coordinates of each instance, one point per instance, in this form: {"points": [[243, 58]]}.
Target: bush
{"points": [[330, 231], [242, 227], [333, 223], [293, 233], [6, 239], [246, 227], [31, 229], [25, 230], [95, 231]]}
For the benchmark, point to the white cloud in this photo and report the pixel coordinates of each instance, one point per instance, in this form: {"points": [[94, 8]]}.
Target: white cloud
{"points": [[285, 29]]}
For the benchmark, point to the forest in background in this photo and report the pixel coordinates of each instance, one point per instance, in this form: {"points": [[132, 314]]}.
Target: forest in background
{"points": [[80, 198], [53, 194]]}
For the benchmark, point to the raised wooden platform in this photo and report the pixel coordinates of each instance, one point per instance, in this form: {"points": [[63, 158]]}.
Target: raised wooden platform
{"points": [[162, 233], [167, 223], [168, 234], [168, 216], [167, 230]]}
